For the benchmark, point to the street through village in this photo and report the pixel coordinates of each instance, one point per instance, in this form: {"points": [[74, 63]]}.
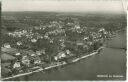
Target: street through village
{"points": [[67, 40], [110, 62]]}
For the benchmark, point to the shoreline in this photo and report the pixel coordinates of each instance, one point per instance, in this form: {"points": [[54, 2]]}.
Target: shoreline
{"points": [[53, 66]]}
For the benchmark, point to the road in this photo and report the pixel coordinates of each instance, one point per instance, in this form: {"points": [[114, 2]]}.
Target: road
{"points": [[111, 61]]}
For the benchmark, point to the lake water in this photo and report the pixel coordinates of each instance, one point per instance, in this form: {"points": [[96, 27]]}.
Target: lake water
{"points": [[110, 64]]}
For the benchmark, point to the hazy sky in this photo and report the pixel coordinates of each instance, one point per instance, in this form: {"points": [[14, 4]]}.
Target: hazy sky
{"points": [[63, 5]]}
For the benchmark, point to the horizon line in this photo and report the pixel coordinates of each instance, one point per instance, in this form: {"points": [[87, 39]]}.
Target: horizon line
{"points": [[70, 11]]}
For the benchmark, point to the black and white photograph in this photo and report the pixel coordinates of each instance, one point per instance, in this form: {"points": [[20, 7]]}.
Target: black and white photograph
{"points": [[63, 40]]}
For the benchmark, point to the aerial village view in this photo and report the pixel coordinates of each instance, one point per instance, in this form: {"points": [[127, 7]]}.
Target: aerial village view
{"points": [[46, 42]]}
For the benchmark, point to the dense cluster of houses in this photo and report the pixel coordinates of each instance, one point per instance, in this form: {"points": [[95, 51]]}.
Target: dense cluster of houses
{"points": [[23, 60]]}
